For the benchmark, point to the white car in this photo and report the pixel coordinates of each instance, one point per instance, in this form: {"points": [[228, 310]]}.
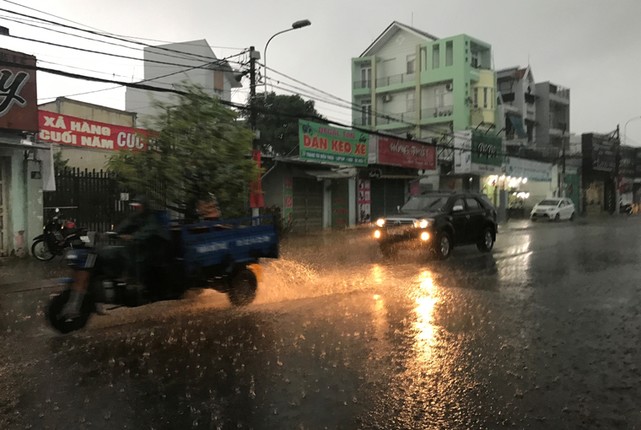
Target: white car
{"points": [[553, 209]]}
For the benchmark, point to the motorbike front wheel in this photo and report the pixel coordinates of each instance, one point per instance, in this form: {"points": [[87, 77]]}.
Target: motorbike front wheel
{"points": [[41, 250], [60, 322]]}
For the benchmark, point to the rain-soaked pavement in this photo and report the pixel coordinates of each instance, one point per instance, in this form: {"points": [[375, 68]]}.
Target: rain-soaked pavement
{"points": [[542, 333]]}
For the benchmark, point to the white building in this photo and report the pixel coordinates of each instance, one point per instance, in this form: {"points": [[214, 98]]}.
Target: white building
{"points": [[169, 66]]}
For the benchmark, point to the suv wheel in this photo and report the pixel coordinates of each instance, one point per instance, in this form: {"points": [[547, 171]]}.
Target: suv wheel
{"points": [[443, 245], [486, 243]]}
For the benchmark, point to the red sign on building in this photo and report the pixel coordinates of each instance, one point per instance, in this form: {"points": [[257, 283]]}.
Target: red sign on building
{"points": [[73, 131], [18, 95], [405, 153]]}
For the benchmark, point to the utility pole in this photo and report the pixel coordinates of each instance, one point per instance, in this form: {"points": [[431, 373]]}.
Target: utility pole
{"points": [[256, 198], [617, 160], [252, 90], [562, 186]]}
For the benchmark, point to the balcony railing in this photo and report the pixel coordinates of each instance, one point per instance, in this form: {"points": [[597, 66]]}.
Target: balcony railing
{"points": [[564, 93], [393, 118], [559, 126], [362, 84], [437, 112], [395, 80], [362, 122]]}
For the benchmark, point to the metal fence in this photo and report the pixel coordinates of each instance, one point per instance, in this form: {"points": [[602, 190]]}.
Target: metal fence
{"points": [[94, 199]]}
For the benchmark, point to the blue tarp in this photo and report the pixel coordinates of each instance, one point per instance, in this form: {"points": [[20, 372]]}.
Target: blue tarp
{"points": [[517, 125]]}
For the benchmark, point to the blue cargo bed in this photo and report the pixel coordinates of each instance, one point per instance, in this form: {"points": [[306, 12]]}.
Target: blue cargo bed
{"points": [[226, 243]]}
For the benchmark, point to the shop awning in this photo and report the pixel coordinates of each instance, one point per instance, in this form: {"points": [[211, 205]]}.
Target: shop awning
{"points": [[341, 173], [517, 125]]}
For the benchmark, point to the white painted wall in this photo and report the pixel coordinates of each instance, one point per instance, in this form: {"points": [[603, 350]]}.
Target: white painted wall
{"points": [[396, 49], [185, 68]]}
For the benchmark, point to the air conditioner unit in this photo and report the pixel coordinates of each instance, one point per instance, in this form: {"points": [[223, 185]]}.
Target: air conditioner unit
{"points": [[387, 98], [449, 86]]}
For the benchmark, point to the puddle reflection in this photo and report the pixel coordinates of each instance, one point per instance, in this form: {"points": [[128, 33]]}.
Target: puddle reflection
{"points": [[424, 325]]}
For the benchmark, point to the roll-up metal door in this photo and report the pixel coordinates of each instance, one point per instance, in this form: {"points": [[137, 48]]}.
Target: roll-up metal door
{"points": [[308, 205], [387, 194]]}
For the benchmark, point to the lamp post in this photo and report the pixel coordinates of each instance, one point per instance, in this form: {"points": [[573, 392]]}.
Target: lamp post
{"points": [[295, 26], [625, 129]]}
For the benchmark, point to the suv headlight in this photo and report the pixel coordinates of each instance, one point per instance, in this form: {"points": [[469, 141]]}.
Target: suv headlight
{"points": [[380, 222], [423, 223]]}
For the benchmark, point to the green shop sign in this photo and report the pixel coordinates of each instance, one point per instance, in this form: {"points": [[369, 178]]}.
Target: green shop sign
{"points": [[320, 142], [487, 150]]}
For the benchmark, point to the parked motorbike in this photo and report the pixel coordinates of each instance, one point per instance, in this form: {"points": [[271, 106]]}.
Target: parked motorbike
{"points": [[626, 208], [222, 255], [59, 235]]}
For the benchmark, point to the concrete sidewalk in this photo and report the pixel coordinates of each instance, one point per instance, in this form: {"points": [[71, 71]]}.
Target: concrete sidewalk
{"points": [[20, 273]]}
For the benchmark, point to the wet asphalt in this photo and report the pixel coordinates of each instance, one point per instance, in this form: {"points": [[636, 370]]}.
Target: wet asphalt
{"points": [[541, 333]]}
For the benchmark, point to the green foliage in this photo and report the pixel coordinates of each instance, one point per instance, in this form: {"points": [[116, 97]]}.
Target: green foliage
{"points": [[200, 148], [277, 120], [58, 162]]}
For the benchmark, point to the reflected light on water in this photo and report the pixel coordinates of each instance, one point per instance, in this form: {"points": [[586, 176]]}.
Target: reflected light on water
{"points": [[516, 264], [380, 323], [424, 325], [377, 273]]}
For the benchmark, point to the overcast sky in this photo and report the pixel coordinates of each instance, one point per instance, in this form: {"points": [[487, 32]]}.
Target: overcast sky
{"points": [[592, 47]]}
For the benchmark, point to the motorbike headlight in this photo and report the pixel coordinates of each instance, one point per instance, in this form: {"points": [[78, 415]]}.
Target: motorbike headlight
{"points": [[380, 222]]}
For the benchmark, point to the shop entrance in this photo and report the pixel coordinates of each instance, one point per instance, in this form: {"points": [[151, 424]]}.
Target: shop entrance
{"points": [[307, 205], [594, 195], [387, 195]]}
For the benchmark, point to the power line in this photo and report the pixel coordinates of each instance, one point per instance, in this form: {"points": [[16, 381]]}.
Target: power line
{"points": [[119, 86], [356, 108], [79, 68], [104, 32], [231, 104], [118, 55], [184, 55]]}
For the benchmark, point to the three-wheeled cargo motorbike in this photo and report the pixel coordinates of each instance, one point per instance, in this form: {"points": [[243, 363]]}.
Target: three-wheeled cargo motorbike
{"points": [[209, 254]]}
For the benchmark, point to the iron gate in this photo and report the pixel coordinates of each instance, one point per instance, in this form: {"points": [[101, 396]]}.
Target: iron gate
{"points": [[95, 199]]}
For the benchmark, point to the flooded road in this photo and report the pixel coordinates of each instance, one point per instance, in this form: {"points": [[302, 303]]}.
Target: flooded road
{"points": [[542, 333]]}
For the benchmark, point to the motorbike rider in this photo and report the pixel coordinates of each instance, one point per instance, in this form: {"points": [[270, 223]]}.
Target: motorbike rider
{"points": [[207, 208], [146, 239]]}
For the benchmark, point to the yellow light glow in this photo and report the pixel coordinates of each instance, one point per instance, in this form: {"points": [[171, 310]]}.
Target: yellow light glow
{"points": [[377, 234], [425, 236], [377, 273], [426, 300], [380, 222]]}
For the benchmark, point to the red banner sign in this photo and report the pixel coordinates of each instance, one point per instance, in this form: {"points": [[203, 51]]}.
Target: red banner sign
{"points": [[18, 101], [72, 131], [405, 153]]}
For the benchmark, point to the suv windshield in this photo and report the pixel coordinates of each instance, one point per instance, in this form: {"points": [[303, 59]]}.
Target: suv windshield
{"points": [[425, 204]]}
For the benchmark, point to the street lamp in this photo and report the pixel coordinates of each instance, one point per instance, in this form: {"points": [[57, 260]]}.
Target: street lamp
{"points": [[295, 26], [625, 129]]}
